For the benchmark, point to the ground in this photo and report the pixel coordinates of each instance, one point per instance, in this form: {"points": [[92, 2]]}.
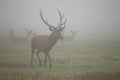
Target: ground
{"points": [[72, 60]]}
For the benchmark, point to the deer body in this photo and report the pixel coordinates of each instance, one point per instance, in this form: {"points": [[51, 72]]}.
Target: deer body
{"points": [[44, 43]]}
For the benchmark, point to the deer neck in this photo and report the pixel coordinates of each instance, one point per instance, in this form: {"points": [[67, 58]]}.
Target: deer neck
{"points": [[52, 40]]}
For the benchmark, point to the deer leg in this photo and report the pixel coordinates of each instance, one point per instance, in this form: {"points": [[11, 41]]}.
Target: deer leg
{"points": [[50, 64], [49, 58], [37, 53], [45, 60]]}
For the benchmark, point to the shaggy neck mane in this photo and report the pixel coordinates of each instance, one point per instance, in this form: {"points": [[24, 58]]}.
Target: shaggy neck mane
{"points": [[52, 40]]}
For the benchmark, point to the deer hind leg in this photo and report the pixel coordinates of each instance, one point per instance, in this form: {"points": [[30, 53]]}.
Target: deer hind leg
{"points": [[49, 58], [37, 53], [45, 60], [50, 63]]}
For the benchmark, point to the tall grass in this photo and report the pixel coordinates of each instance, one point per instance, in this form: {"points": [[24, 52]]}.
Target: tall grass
{"points": [[69, 58]]}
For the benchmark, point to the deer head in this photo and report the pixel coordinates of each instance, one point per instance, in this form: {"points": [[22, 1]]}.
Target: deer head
{"points": [[56, 31], [74, 32]]}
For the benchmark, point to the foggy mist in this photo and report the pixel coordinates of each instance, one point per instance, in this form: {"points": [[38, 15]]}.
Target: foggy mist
{"points": [[91, 18], [85, 45]]}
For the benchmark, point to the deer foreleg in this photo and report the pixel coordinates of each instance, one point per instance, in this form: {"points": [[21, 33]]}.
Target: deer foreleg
{"points": [[37, 53], [50, 64], [49, 58]]}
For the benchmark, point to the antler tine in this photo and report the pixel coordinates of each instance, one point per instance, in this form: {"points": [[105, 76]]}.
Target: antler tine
{"points": [[61, 18], [64, 22], [63, 27], [45, 21]]}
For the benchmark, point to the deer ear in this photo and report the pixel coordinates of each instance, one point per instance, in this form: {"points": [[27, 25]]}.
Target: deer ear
{"points": [[50, 28], [61, 29]]}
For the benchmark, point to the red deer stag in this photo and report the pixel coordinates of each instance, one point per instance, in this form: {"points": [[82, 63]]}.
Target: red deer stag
{"points": [[44, 43]]}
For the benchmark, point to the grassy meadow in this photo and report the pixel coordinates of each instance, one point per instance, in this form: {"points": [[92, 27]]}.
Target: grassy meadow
{"points": [[81, 59]]}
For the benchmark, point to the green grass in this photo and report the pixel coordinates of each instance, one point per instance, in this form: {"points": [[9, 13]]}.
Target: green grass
{"points": [[69, 58]]}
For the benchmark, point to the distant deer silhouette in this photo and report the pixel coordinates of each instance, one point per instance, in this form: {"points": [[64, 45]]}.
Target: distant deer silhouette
{"points": [[70, 37], [30, 33], [74, 33], [14, 39], [44, 43]]}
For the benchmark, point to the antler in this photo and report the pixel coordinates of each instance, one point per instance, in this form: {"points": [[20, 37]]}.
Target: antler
{"points": [[29, 31], [45, 21], [59, 25], [61, 18], [74, 31]]}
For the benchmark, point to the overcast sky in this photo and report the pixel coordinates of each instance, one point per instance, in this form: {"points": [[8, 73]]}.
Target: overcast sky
{"points": [[101, 17]]}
